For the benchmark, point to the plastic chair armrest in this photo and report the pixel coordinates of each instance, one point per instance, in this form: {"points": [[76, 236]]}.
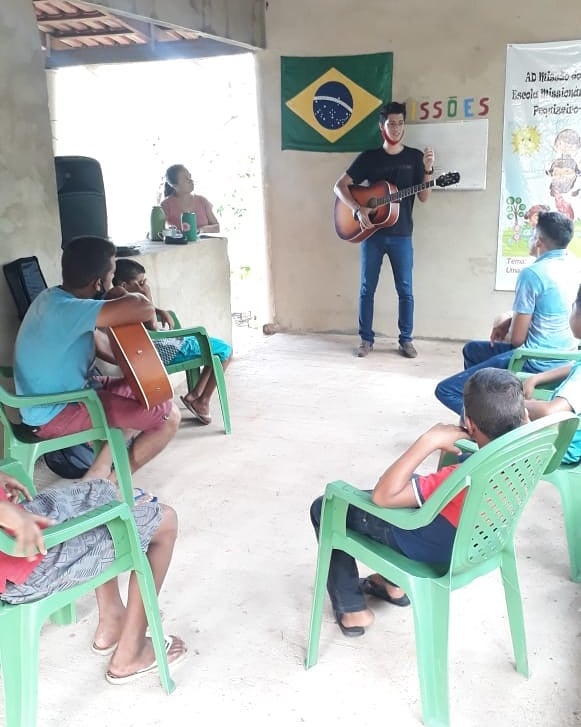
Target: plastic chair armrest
{"points": [[93, 519], [72, 528], [178, 333], [86, 396], [466, 445], [403, 517], [521, 355]]}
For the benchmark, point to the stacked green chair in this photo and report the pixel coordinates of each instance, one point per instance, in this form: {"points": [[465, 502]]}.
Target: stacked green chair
{"points": [[192, 368], [521, 355], [566, 477], [20, 625], [499, 480]]}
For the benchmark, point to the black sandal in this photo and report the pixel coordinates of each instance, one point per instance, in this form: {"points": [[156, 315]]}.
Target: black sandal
{"points": [[348, 630], [371, 588]]}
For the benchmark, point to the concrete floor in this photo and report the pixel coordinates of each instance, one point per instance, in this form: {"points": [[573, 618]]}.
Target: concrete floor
{"points": [[305, 412]]}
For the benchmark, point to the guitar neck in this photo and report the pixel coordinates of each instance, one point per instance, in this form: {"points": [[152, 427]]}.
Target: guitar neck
{"points": [[407, 192]]}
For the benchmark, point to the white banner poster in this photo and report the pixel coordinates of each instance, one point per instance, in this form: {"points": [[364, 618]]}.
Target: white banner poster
{"points": [[541, 158]]}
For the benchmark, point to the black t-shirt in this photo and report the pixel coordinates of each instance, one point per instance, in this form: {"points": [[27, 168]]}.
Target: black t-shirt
{"points": [[405, 169]]}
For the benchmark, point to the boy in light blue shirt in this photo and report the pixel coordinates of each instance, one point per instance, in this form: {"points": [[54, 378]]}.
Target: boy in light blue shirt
{"points": [[56, 345], [543, 296]]}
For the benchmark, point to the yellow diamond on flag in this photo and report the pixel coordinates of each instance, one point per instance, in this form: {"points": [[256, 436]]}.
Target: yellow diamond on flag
{"points": [[333, 104]]}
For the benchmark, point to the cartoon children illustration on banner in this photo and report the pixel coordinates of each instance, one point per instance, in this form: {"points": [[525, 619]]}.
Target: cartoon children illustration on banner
{"points": [[541, 167]]}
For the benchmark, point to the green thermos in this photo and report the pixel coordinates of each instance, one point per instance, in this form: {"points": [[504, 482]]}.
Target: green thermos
{"points": [[157, 223]]}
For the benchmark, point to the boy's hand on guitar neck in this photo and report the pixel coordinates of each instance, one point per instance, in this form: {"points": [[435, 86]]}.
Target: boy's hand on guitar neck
{"points": [[362, 216], [118, 291]]}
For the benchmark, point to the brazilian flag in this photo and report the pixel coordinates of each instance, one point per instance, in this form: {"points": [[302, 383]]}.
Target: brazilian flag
{"points": [[331, 103]]}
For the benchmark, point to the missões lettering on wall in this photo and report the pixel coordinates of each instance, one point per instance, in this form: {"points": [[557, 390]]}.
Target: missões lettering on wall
{"points": [[452, 107]]}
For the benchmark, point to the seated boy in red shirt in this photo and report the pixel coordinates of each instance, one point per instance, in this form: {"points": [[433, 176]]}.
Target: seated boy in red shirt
{"points": [[493, 405], [121, 630]]}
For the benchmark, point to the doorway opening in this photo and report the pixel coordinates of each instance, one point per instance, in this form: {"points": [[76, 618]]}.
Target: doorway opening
{"points": [[137, 119]]}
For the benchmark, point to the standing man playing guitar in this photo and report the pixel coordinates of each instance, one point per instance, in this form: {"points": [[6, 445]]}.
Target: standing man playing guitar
{"points": [[405, 167]]}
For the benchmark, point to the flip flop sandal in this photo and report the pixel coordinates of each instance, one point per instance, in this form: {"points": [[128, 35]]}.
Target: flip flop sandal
{"points": [[204, 418], [140, 495], [371, 588], [348, 630], [106, 651], [169, 641]]}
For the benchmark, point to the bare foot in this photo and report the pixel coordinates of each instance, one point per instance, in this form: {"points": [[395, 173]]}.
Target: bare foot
{"points": [[358, 618], [123, 664], [109, 630], [393, 591]]}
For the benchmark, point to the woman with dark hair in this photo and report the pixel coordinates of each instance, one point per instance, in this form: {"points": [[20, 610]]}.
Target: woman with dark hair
{"points": [[180, 197]]}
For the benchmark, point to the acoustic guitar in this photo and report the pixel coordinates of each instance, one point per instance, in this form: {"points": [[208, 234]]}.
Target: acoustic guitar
{"points": [[140, 363], [383, 199]]}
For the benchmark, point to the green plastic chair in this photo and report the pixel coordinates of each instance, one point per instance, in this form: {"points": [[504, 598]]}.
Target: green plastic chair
{"points": [[192, 368], [566, 477], [22, 445], [500, 479], [20, 625], [521, 355]]}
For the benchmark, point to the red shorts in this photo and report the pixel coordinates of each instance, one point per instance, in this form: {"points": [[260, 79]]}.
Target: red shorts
{"points": [[121, 409]]}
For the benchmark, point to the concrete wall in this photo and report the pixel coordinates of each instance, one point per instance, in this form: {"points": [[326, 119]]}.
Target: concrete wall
{"points": [[29, 222], [447, 48], [241, 21]]}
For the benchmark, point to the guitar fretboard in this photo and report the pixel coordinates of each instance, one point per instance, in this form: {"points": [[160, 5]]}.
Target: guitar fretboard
{"points": [[401, 193]]}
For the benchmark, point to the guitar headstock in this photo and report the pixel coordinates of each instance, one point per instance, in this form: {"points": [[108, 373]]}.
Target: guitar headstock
{"points": [[445, 180]]}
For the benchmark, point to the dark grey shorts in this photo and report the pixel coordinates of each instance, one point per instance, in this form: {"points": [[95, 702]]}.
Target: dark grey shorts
{"points": [[76, 561]]}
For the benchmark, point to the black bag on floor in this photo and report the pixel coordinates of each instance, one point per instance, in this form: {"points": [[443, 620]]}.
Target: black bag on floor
{"points": [[71, 463]]}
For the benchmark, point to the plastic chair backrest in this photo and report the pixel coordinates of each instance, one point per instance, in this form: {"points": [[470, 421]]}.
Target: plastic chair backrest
{"points": [[501, 477]]}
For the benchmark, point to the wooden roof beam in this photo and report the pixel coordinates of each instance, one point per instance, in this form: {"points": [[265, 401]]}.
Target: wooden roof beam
{"points": [[86, 56], [90, 33], [50, 19]]}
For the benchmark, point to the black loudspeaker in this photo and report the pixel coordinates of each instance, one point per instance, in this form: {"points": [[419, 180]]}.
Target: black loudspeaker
{"points": [[81, 196]]}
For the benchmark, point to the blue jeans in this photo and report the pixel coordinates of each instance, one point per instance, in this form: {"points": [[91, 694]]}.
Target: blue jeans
{"points": [[343, 581], [401, 256], [477, 355]]}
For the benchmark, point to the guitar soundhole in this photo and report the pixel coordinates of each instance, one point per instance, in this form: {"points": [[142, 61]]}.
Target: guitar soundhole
{"points": [[372, 203]]}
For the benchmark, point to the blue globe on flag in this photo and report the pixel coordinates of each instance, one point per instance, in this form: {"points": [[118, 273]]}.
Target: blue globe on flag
{"points": [[332, 105]]}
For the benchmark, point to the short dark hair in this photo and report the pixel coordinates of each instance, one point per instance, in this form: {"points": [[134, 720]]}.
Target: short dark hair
{"points": [[494, 400], [86, 259], [556, 229], [392, 107], [127, 270], [171, 178]]}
